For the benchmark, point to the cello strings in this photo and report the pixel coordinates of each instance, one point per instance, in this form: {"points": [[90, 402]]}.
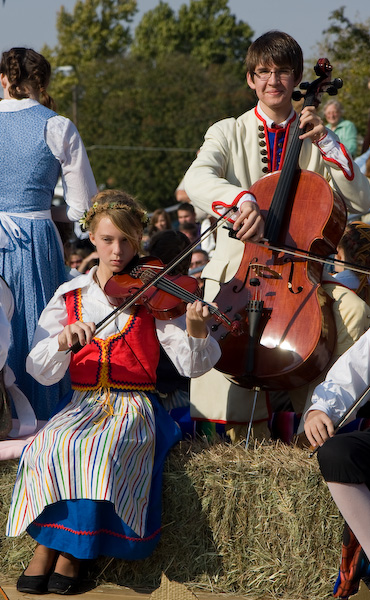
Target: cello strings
{"points": [[316, 258]]}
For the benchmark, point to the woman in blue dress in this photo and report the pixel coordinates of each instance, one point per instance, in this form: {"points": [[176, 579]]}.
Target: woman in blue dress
{"points": [[37, 146]]}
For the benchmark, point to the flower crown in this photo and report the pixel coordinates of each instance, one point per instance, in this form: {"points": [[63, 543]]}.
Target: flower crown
{"points": [[98, 207]]}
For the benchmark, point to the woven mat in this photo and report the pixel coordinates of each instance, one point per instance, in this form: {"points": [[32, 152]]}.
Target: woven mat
{"points": [[171, 590]]}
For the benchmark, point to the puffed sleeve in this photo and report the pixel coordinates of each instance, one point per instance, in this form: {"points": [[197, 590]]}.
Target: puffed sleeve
{"points": [[45, 363], [345, 382], [346, 177], [192, 357], [78, 180]]}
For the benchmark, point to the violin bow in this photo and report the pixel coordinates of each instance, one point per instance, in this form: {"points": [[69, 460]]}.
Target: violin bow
{"points": [[349, 412], [173, 263]]}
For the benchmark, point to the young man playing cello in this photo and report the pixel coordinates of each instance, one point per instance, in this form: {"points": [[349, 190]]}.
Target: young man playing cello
{"points": [[238, 152]]}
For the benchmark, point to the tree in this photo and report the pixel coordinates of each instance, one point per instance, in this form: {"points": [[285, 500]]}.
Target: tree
{"points": [[347, 45], [205, 29], [142, 122], [142, 115], [94, 30]]}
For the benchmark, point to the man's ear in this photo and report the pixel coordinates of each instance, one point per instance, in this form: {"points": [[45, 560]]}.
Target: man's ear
{"points": [[250, 81]]}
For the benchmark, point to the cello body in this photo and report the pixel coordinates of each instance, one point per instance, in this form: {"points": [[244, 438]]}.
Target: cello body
{"points": [[288, 327]]}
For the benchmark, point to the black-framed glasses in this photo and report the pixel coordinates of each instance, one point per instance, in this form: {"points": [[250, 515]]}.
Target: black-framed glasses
{"points": [[281, 74]]}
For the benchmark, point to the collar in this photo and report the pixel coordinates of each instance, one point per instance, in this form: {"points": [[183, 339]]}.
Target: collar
{"points": [[270, 122], [13, 105], [81, 281]]}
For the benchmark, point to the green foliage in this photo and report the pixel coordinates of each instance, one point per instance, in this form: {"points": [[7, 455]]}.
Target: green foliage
{"points": [[142, 122], [204, 29], [144, 106], [94, 29], [348, 46]]}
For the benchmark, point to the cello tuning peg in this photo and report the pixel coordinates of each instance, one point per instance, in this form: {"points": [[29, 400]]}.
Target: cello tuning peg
{"points": [[297, 95], [332, 91], [335, 85], [304, 85], [338, 83]]}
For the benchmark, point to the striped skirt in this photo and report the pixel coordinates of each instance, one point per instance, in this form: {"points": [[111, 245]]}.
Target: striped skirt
{"points": [[88, 476]]}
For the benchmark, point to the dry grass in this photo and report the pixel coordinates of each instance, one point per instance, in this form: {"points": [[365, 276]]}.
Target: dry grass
{"points": [[259, 523]]}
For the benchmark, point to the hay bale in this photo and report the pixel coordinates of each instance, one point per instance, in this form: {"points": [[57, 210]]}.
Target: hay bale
{"points": [[15, 553], [259, 523]]}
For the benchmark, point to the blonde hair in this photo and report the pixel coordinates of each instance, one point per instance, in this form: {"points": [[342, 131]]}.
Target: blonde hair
{"points": [[122, 209]]}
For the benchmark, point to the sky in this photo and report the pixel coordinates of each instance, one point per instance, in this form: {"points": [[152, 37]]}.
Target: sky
{"points": [[32, 22]]}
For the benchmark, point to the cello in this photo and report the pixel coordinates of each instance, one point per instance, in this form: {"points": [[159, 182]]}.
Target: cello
{"points": [[277, 296]]}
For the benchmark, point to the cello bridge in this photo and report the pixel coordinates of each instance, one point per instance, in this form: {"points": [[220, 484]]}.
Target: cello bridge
{"points": [[265, 271]]}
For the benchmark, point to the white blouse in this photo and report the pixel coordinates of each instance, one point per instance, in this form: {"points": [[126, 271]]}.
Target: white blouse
{"points": [[66, 145], [347, 379], [191, 356]]}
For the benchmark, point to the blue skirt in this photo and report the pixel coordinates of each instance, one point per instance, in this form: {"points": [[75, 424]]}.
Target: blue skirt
{"points": [[88, 528], [34, 268]]}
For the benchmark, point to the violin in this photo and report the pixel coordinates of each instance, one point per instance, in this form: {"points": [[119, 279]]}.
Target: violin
{"points": [[290, 330], [167, 297], [133, 297]]}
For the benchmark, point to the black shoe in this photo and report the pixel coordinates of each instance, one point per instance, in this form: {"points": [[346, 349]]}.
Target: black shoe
{"points": [[61, 584], [33, 584]]}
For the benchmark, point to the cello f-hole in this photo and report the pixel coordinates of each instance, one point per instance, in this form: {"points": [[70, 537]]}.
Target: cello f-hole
{"points": [[243, 284], [290, 281]]}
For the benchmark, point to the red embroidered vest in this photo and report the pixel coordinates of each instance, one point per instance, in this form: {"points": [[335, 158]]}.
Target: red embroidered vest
{"points": [[125, 360]]}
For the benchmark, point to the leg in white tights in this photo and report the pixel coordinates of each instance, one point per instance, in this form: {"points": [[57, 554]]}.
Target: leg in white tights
{"points": [[353, 501]]}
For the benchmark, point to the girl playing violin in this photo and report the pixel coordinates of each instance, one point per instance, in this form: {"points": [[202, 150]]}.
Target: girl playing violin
{"points": [[89, 483]]}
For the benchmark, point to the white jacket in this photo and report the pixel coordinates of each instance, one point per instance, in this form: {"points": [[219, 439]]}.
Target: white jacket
{"points": [[230, 162]]}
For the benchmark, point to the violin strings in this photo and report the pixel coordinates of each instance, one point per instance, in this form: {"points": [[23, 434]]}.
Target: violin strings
{"points": [[172, 288]]}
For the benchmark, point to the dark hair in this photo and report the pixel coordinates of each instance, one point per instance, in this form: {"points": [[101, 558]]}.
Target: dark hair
{"points": [[355, 243], [186, 206], [192, 227], [275, 47], [201, 251], [24, 69], [167, 244], [74, 248], [152, 227]]}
